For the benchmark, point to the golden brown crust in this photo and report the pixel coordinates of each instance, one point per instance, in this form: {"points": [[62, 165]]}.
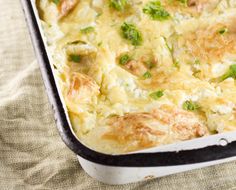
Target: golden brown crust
{"points": [[198, 4], [184, 131], [132, 131], [135, 67], [81, 88], [65, 6], [182, 123], [136, 132], [208, 45], [193, 7]]}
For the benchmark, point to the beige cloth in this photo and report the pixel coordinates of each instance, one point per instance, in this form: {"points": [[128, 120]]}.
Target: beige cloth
{"points": [[32, 155]]}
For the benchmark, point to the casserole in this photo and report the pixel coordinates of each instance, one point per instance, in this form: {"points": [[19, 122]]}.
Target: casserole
{"points": [[124, 168]]}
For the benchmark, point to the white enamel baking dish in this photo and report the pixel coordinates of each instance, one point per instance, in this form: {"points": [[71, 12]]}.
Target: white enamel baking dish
{"points": [[125, 168]]}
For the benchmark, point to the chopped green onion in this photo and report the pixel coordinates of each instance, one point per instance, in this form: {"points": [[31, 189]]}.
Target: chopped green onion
{"points": [[185, 2], [196, 73], [76, 42], [56, 2], [231, 73], [87, 30], [150, 64], [119, 5], [197, 62], [147, 75], [176, 64], [223, 31], [156, 11], [98, 15], [156, 95], [75, 58], [124, 59], [190, 106], [131, 33], [99, 44]]}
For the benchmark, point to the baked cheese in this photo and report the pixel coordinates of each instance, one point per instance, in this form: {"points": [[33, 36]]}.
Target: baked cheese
{"points": [[136, 74]]}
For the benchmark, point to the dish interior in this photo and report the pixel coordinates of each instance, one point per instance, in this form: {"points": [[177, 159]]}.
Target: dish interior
{"points": [[140, 74]]}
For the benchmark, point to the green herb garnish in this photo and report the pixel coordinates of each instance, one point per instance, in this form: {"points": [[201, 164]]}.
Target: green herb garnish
{"points": [[184, 2], [190, 106], [196, 73], [76, 42], [156, 95], [119, 5], [197, 62], [98, 15], [56, 2], [87, 30], [176, 62], [75, 58], [231, 73], [131, 33], [150, 64], [147, 75], [156, 11], [124, 59], [223, 31], [99, 44]]}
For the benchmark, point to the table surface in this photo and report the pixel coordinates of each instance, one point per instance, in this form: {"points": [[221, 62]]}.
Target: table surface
{"points": [[32, 155]]}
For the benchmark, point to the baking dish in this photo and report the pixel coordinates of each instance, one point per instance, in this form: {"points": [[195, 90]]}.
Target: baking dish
{"points": [[126, 168]]}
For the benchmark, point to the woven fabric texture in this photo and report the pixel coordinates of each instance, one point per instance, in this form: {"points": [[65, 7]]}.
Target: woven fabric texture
{"points": [[32, 155]]}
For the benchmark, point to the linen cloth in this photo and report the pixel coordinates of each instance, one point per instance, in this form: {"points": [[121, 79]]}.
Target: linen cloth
{"points": [[32, 155]]}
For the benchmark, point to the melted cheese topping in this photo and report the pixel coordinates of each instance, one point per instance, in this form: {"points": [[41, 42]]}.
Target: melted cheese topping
{"points": [[123, 95]]}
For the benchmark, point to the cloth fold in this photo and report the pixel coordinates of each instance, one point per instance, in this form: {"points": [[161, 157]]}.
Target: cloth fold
{"points": [[32, 155]]}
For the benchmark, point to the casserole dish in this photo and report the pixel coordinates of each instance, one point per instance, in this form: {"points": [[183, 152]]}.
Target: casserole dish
{"points": [[130, 167]]}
